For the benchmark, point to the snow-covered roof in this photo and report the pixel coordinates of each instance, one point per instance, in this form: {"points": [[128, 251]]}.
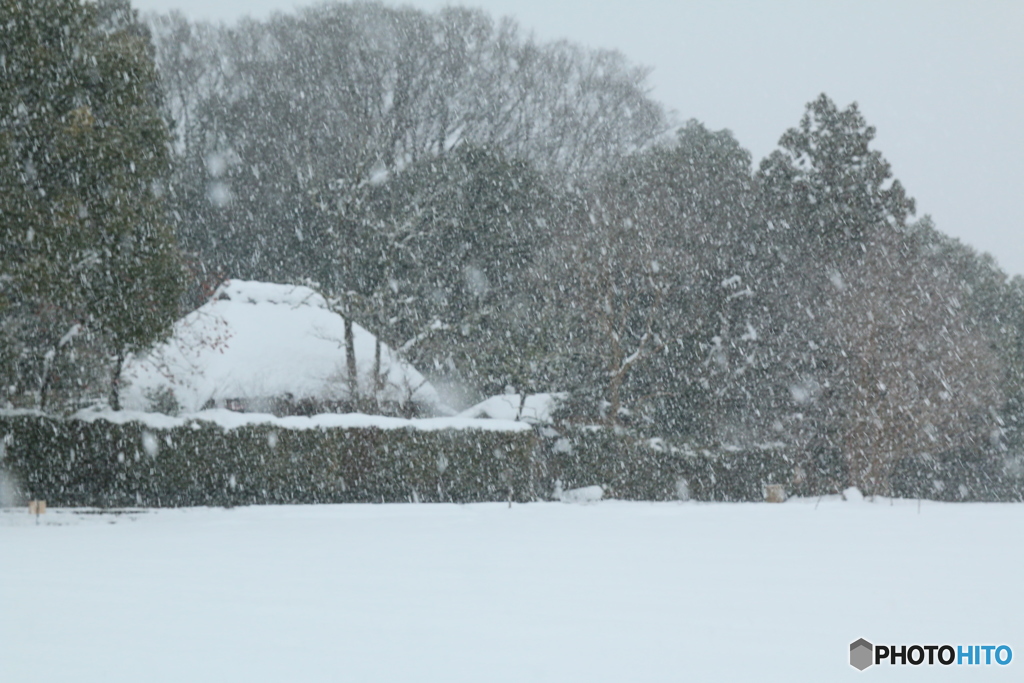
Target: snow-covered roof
{"points": [[537, 408], [258, 340]]}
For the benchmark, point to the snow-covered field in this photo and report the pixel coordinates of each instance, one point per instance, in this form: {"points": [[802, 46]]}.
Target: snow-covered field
{"points": [[610, 591]]}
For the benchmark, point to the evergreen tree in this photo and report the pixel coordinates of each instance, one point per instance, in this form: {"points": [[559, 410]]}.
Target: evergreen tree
{"points": [[85, 156], [440, 260], [641, 264], [873, 355]]}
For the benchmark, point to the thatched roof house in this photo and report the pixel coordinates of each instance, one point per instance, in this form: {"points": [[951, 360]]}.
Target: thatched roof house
{"points": [[262, 347]]}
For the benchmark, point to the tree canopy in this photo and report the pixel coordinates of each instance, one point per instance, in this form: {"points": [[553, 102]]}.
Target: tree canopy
{"points": [[85, 159]]}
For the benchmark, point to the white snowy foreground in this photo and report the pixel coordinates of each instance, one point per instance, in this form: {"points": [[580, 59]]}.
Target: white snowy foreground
{"points": [[609, 591]]}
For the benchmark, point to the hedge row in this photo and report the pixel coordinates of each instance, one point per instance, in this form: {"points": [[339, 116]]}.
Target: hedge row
{"points": [[81, 463], [632, 469], [99, 463], [957, 475]]}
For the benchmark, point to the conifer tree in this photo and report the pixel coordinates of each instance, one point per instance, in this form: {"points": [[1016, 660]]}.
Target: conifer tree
{"points": [[83, 156]]}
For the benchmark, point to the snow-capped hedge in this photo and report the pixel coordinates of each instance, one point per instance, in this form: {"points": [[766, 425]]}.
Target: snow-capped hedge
{"points": [[224, 458], [634, 469], [959, 475], [245, 459], [77, 462], [229, 419]]}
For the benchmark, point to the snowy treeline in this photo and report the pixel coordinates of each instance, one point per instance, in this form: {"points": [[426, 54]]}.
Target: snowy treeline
{"points": [[509, 213]]}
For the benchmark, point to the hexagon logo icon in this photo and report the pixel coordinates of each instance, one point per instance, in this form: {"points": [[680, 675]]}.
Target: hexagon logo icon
{"points": [[861, 654]]}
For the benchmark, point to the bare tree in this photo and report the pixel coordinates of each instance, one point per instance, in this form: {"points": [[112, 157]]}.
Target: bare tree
{"points": [[919, 375]]}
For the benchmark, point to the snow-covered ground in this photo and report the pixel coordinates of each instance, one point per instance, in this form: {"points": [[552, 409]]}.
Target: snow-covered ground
{"points": [[609, 591], [229, 419], [536, 409]]}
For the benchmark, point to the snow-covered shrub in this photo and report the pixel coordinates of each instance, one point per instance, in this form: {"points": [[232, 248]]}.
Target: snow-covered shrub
{"points": [[10, 495], [183, 463], [628, 469], [956, 475], [162, 400], [636, 469]]}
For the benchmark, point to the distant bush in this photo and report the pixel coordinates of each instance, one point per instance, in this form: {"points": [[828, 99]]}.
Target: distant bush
{"points": [[628, 469], [956, 475], [638, 469], [80, 463]]}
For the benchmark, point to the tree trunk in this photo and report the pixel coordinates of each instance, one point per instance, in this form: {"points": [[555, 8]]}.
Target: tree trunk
{"points": [[614, 399], [350, 359], [47, 379], [378, 379], [115, 382]]}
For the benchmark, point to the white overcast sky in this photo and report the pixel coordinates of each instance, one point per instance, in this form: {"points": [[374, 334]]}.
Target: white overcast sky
{"points": [[943, 82]]}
